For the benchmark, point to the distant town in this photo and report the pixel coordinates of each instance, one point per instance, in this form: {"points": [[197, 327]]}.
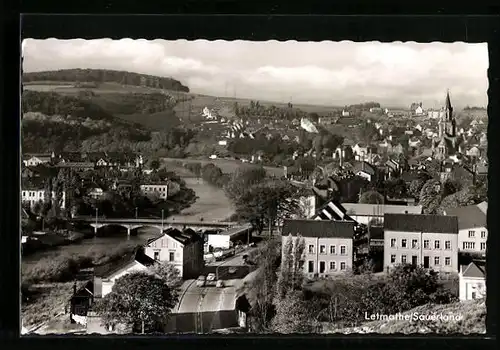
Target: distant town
{"points": [[251, 217]]}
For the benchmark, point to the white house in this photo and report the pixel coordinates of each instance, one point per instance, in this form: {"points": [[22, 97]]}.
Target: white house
{"points": [[106, 276], [419, 110], [472, 281], [345, 113], [473, 233], [37, 159], [328, 245], [160, 189], [429, 241], [183, 249], [38, 195]]}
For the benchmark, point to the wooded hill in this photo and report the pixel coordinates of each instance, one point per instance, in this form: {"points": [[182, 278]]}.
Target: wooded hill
{"points": [[105, 76]]}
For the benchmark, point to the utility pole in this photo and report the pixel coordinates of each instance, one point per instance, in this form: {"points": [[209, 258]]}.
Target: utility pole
{"points": [[162, 215]]}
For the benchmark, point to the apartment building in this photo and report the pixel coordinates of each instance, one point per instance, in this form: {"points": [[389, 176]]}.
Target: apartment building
{"points": [[33, 196], [183, 249], [430, 241], [160, 189], [328, 245], [472, 231]]}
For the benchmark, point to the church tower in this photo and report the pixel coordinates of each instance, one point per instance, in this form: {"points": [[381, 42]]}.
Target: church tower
{"points": [[450, 122]]}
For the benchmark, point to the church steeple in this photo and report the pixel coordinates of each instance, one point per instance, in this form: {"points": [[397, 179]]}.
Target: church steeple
{"points": [[449, 108]]}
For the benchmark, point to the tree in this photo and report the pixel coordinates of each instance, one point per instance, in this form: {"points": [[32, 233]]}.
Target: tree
{"points": [[141, 300], [242, 180], [291, 275], [371, 197], [268, 203], [169, 273], [155, 164], [291, 314], [395, 188], [430, 196]]}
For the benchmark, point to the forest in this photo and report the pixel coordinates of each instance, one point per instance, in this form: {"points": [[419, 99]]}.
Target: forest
{"points": [[105, 75], [54, 122]]}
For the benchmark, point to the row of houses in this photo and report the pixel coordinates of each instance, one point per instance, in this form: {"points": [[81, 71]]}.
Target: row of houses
{"points": [[84, 159], [406, 236]]}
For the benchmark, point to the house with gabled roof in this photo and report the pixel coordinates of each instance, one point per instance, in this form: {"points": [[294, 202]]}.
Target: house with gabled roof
{"points": [[106, 275], [183, 249], [430, 241], [374, 213], [472, 228], [328, 245], [34, 159], [472, 281]]}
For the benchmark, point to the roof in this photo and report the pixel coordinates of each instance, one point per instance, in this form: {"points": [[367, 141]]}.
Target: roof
{"points": [[135, 256], [319, 228], [421, 223], [236, 230], [483, 206], [475, 270], [376, 232], [470, 216], [380, 209], [184, 237], [364, 166]]}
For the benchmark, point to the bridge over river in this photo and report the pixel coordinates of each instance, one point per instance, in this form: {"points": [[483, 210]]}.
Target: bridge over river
{"points": [[162, 224]]}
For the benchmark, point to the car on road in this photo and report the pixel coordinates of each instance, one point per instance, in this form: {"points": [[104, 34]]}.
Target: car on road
{"points": [[211, 277], [220, 284], [200, 282]]}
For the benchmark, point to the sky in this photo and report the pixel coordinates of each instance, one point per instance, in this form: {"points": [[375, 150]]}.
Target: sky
{"points": [[325, 73]]}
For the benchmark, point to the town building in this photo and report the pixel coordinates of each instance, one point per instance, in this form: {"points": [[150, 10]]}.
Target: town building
{"points": [[430, 241], [183, 249], [33, 195], [472, 228], [374, 213], [472, 281], [106, 275], [38, 158], [159, 189], [328, 245]]}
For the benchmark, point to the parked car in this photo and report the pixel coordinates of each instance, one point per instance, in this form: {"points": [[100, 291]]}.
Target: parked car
{"points": [[211, 277], [220, 284], [200, 282]]}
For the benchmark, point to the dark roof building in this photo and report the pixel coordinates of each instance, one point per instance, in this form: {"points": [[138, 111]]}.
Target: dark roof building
{"points": [[319, 228], [469, 217], [421, 223]]}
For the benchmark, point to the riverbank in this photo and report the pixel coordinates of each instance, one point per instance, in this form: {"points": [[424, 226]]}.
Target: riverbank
{"points": [[49, 240]]}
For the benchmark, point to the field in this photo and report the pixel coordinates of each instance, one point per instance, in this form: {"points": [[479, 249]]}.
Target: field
{"points": [[227, 166]]}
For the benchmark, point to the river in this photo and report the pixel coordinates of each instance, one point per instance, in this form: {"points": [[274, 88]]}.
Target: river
{"points": [[211, 205]]}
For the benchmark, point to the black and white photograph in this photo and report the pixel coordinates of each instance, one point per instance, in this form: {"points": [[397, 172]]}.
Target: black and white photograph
{"points": [[253, 187]]}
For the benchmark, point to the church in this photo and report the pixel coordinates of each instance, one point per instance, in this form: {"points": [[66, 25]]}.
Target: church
{"points": [[447, 144]]}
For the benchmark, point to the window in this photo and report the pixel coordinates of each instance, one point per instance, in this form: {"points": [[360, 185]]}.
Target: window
{"points": [[473, 295], [332, 265], [171, 256], [483, 246], [322, 249], [403, 243], [322, 267], [310, 266], [426, 244], [436, 245], [414, 243], [342, 265], [403, 259], [393, 259], [447, 261], [483, 234], [468, 245], [311, 249], [393, 242], [472, 233], [332, 249], [436, 260], [343, 250], [157, 256], [447, 245]]}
